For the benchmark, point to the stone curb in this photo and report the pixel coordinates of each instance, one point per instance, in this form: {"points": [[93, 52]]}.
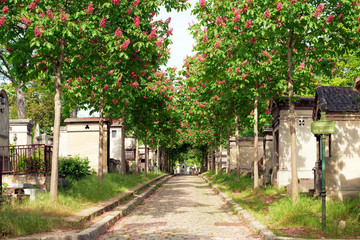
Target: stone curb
{"points": [[109, 204], [242, 214], [98, 228]]}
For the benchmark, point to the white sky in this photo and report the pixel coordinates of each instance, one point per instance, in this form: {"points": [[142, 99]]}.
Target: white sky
{"points": [[181, 38]]}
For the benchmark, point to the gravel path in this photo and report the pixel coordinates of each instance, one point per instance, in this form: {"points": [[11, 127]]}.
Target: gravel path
{"points": [[183, 208]]}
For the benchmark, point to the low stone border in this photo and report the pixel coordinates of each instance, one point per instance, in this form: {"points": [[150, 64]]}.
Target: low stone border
{"points": [[109, 204], [98, 228], [242, 214]]}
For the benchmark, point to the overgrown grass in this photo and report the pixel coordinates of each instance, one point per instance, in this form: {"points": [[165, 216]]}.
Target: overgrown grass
{"points": [[273, 208], [24, 218]]}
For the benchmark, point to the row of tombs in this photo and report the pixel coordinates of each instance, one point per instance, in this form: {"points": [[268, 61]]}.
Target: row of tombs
{"points": [[341, 105]]}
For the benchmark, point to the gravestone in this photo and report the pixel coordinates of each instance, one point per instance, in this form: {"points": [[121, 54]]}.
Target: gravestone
{"points": [[4, 133]]}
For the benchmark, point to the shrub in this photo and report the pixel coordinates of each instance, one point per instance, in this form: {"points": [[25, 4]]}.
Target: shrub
{"points": [[74, 167]]}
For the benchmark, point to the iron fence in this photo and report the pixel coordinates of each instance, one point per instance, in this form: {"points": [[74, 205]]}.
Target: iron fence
{"points": [[24, 159]]}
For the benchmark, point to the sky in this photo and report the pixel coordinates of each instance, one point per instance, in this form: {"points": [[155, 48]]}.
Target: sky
{"points": [[181, 38]]}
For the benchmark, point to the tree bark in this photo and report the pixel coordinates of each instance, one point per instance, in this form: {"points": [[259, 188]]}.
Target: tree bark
{"points": [[294, 174], [256, 140], [237, 146], [57, 66], [20, 101], [146, 156], [220, 158], [122, 144], [137, 154], [216, 160], [228, 162], [158, 155], [101, 138], [212, 160]]}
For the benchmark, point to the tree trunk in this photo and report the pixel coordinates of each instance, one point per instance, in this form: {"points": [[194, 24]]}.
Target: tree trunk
{"points": [[122, 144], [137, 154], [73, 114], [256, 139], [20, 101], [294, 175], [212, 159], [220, 158], [158, 155], [146, 156], [228, 162], [101, 139], [237, 146], [57, 119], [216, 160]]}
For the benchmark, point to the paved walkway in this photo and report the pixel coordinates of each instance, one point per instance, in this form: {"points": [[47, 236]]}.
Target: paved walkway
{"points": [[183, 208]]}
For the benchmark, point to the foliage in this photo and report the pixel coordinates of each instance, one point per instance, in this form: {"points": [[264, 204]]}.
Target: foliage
{"points": [[3, 185], [74, 167]]}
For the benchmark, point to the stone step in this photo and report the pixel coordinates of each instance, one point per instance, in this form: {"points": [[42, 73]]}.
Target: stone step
{"points": [[20, 185]]}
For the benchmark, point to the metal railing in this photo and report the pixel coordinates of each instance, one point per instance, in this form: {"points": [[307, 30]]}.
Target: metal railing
{"points": [[24, 159]]}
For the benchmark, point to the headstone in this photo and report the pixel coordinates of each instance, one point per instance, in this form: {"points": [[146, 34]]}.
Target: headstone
{"points": [[37, 134], [4, 133]]}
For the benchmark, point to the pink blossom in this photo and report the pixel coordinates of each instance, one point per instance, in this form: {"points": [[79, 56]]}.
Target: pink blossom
{"points": [[135, 3], [243, 76], [230, 69], [37, 31], [118, 32], [63, 17], [205, 39], [329, 18], [159, 41], [169, 31], [245, 62], [152, 34], [5, 9], [102, 22], [129, 11], [2, 21], [111, 72], [137, 21], [279, 6], [49, 13], [216, 98], [106, 87], [167, 21], [266, 53], [114, 101], [25, 21], [116, 2], [267, 13], [319, 10], [32, 6], [90, 8], [67, 86], [248, 24], [236, 19], [252, 113], [126, 103], [125, 44], [250, 2], [267, 111], [202, 3], [358, 17], [245, 8], [217, 43]]}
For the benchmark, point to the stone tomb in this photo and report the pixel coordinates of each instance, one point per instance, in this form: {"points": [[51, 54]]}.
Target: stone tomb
{"points": [[4, 132]]}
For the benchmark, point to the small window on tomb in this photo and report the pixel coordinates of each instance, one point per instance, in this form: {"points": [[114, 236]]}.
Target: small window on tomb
{"points": [[301, 122], [113, 133]]}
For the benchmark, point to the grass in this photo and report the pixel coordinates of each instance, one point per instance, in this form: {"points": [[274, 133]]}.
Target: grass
{"points": [[273, 208], [24, 218]]}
